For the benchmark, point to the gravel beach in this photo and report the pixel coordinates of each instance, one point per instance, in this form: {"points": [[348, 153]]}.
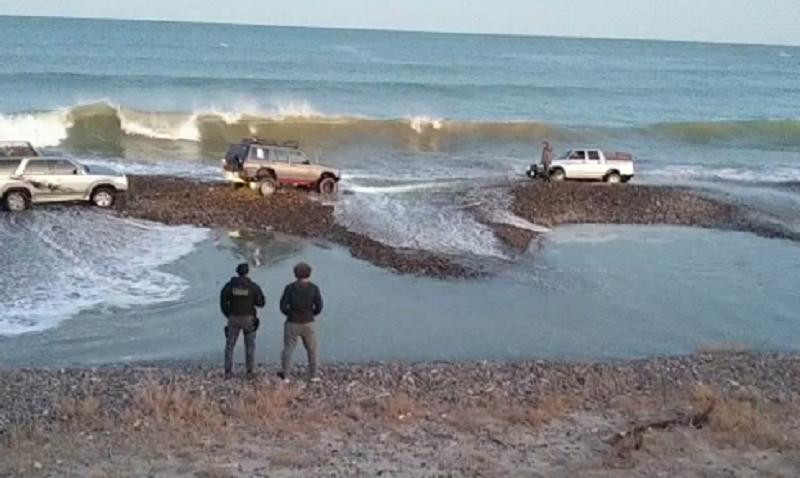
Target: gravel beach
{"points": [[531, 417]]}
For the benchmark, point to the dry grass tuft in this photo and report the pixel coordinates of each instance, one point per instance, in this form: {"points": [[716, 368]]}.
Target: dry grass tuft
{"points": [[399, 406], [85, 411], [747, 420], [545, 411], [264, 405], [172, 405]]}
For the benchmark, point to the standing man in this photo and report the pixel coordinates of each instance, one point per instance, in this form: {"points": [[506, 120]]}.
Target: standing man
{"points": [[547, 160], [238, 301], [301, 303]]}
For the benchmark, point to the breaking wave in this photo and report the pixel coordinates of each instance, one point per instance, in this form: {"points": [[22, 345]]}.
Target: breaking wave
{"points": [[106, 123], [783, 133]]}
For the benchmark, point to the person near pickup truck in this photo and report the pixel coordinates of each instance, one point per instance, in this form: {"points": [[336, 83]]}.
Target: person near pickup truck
{"points": [[547, 159], [301, 303], [238, 300]]}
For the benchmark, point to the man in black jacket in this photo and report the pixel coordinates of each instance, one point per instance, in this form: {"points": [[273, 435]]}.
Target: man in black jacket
{"points": [[238, 301], [301, 303]]}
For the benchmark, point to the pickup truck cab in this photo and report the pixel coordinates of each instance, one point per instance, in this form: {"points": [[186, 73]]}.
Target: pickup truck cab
{"points": [[39, 180], [588, 164], [266, 165]]}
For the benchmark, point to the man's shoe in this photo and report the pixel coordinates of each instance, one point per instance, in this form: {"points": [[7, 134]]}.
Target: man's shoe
{"points": [[315, 379], [228, 375], [284, 378], [251, 375]]}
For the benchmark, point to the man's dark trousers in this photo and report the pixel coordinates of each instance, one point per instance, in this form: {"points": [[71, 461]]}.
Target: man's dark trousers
{"points": [[237, 325]]}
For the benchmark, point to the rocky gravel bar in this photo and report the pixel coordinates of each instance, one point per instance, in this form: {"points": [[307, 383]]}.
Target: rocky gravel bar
{"points": [[555, 204], [35, 395], [178, 201]]}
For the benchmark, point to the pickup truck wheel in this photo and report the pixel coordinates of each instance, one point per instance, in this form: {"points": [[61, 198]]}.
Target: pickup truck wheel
{"points": [[103, 197], [267, 187], [557, 175], [327, 185], [16, 201], [613, 178]]}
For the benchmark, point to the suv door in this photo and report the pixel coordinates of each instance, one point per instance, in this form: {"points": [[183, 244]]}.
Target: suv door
{"points": [[37, 175], [70, 180], [302, 169]]}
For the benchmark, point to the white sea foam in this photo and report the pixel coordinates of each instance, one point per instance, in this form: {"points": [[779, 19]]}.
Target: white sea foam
{"points": [[41, 129], [74, 260], [420, 124], [159, 125], [708, 173]]}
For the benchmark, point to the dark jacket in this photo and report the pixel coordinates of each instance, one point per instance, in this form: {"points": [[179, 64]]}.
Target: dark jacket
{"points": [[240, 297], [301, 302]]}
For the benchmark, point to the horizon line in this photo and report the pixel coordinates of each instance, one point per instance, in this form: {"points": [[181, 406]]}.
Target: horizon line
{"points": [[403, 30]]}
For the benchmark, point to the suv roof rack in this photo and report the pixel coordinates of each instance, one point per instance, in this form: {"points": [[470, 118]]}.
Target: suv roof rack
{"points": [[294, 144]]}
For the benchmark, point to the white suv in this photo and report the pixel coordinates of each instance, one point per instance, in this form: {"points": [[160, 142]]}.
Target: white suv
{"points": [[47, 180]]}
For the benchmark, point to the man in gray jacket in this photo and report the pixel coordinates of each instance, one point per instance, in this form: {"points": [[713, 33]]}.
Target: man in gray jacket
{"points": [[301, 303], [547, 160], [238, 301]]}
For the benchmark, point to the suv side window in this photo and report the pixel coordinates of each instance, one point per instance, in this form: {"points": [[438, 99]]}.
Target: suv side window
{"points": [[37, 167], [281, 155], [594, 155], [8, 166], [296, 157], [63, 167]]}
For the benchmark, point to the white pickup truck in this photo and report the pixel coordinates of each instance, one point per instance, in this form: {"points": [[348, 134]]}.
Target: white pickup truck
{"points": [[587, 164]]}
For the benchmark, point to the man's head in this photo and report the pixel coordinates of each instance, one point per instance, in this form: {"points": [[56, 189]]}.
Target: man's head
{"points": [[302, 271], [242, 270], [546, 144]]}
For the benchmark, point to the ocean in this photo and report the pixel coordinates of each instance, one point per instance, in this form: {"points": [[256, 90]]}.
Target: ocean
{"points": [[414, 120]]}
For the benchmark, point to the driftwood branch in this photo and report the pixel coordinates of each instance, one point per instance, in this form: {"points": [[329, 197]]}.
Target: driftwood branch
{"points": [[624, 442]]}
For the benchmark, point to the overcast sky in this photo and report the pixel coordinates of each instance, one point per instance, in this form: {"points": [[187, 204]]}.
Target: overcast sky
{"points": [[745, 21]]}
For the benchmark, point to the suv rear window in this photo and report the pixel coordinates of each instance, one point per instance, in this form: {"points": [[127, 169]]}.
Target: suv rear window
{"points": [[8, 166], [38, 166]]}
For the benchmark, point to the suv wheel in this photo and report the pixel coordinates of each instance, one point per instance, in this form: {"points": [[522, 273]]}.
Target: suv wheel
{"points": [[267, 187], [103, 197], [327, 185], [16, 201]]}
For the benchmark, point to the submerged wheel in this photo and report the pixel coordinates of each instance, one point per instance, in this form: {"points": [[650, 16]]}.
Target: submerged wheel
{"points": [[613, 178], [327, 185], [103, 197], [557, 175], [267, 187], [16, 201]]}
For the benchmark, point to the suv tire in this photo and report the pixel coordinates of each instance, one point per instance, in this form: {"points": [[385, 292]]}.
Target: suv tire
{"points": [[16, 201], [103, 197], [267, 187], [327, 186]]}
